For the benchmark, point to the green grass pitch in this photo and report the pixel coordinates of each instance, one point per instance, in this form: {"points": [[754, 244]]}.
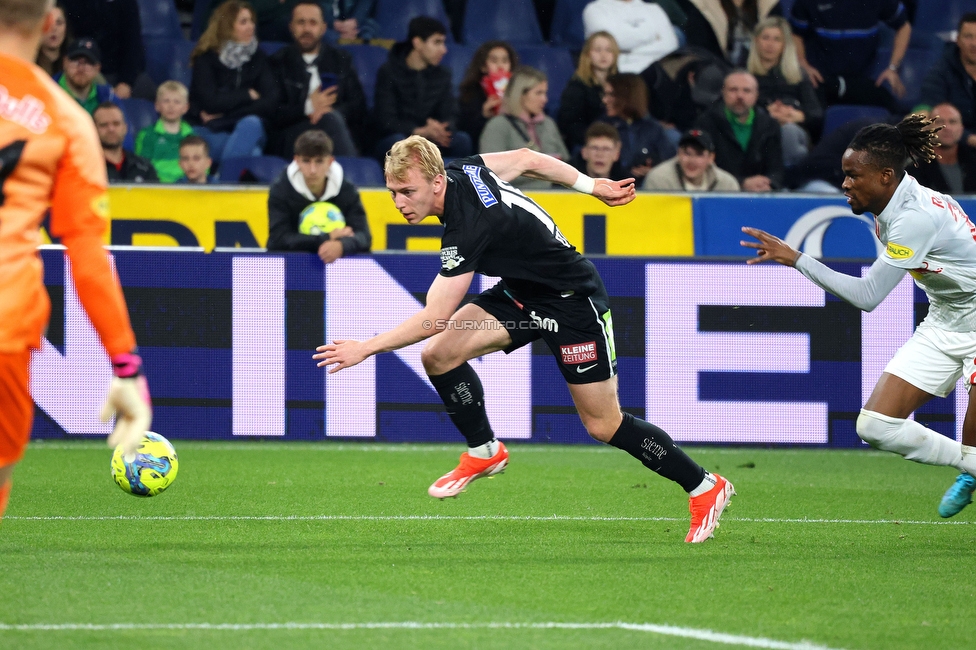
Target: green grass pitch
{"points": [[572, 547]]}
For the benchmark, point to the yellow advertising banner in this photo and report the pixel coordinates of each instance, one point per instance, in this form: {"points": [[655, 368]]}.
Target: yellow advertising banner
{"points": [[236, 216]]}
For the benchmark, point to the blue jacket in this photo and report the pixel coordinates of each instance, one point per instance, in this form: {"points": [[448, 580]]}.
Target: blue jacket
{"points": [[642, 139], [948, 81]]}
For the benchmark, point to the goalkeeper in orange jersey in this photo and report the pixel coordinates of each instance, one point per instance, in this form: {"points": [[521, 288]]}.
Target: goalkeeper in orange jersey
{"points": [[50, 159]]}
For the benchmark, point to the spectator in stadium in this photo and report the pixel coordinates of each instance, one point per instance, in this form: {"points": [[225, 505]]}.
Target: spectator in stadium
{"points": [[600, 156], [642, 30], [693, 169], [117, 28], [232, 90], [413, 92], [195, 161], [953, 77], [786, 94], [314, 178], [317, 87], [747, 140], [644, 140], [954, 171], [160, 143], [82, 64], [524, 123], [582, 101], [271, 17], [837, 43], [121, 165], [352, 19], [725, 27], [482, 89], [54, 44]]}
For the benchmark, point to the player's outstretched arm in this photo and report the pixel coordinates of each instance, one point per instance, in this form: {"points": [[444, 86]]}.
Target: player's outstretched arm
{"points": [[509, 165], [865, 292], [443, 298]]}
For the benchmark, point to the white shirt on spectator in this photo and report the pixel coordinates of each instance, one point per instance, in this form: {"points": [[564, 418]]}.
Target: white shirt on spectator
{"points": [[315, 82], [643, 31]]}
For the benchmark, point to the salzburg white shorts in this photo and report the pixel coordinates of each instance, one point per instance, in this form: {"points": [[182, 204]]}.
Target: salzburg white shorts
{"points": [[934, 359]]}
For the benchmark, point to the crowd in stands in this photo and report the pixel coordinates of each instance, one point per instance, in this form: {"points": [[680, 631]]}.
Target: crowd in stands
{"points": [[682, 95]]}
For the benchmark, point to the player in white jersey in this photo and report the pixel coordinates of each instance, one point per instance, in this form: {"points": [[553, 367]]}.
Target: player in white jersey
{"points": [[927, 234]]}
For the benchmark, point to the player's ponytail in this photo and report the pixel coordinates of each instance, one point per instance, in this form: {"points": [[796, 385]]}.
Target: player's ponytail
{"points": [[911, 140]]}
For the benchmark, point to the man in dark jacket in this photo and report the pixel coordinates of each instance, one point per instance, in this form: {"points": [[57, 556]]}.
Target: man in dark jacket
{"points": [[747, 139], [954, 171], [413, 92], [953, 78], [317, 88], [120, 165], [116, 27], [312, 184]]}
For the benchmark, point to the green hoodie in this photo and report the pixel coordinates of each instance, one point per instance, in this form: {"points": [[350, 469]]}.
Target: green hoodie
{"points": [[163, 149]]}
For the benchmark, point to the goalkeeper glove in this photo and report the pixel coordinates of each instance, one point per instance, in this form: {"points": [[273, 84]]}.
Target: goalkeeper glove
{"points": [[128, 400]]}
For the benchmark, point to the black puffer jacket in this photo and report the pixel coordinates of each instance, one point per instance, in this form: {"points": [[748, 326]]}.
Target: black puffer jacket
{"points": [[217, 89], [406, 98], [764, 156], [293, 80]]}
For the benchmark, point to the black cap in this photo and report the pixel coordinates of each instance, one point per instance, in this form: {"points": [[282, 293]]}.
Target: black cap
{"points": [[698, 138], [86, 47]]}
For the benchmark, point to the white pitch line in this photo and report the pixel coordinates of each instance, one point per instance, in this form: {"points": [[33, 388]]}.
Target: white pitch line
{"points": [[666, 630], [761, 520]]}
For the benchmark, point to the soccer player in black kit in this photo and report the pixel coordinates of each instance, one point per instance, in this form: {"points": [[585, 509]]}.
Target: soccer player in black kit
{"points": [[547, 290]]}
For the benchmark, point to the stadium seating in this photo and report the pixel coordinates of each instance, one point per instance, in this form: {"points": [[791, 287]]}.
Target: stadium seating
{"points": [[457, 59], [556, 63], [507, 20], [201, 13], [917, 62], [394, 16], [270, 47], [367, 59], [940, 16], [839, 114], [159, 19], [180, 64], [363, 172], [139, 113], [567, 24], [262, 168]]}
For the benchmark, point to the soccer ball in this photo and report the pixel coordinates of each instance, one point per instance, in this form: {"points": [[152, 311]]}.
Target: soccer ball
{"points": [[320, 218], [152, 470]]}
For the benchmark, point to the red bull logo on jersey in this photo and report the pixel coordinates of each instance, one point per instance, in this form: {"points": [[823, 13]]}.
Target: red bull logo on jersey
{"points": [[27, 112], [578, 353]]}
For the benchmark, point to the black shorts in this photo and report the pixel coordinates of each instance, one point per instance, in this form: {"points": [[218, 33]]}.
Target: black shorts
{"points": [[578, 330]]}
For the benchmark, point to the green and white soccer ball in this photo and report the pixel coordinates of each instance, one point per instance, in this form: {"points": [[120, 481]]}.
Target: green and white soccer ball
{"points": [[320, 218], [150, 471]]}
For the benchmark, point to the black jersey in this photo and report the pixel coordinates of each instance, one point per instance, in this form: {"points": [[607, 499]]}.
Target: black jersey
{"points": [[492, 228]]}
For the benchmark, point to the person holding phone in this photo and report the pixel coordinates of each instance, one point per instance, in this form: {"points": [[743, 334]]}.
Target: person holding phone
{"points": [[318, 88]]}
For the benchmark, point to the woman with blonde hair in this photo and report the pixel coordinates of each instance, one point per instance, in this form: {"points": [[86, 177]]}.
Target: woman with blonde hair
{"points": [[524, 123], [232, 89], [582, 100], [784, 90]]}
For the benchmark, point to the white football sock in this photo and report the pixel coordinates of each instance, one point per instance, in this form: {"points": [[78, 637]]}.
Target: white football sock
{"points": [[486, 450], [707, 484], [911, 440]]}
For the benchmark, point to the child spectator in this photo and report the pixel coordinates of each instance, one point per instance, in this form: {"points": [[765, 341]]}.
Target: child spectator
{"points": [[524, 123], [232, 89], [482, 90], [160, 143], [582, 101], [644, 140], [195, 161], [600, 156]]}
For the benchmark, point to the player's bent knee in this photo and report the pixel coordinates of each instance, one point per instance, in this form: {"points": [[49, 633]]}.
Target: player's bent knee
{"points": [[600, 429], [878, 430], [437, 359]]}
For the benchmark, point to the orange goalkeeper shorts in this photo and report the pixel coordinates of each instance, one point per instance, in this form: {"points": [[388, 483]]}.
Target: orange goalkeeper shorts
{"points": [[16, 406]]}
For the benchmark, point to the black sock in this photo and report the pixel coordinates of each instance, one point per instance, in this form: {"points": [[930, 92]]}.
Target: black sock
{"points": [[464, 398], [653, 447]]}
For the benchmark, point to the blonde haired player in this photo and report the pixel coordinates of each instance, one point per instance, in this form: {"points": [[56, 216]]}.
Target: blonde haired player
{"points": [[50, 159], [547, 291], [927, 234]]}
